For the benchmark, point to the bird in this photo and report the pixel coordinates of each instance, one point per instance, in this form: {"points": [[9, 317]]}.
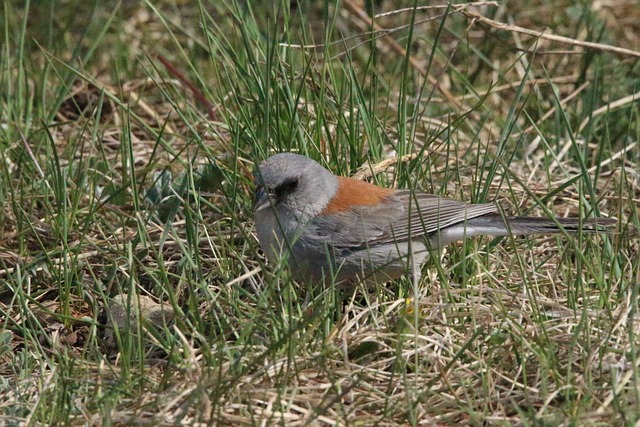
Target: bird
{"points": [[335, 229]]}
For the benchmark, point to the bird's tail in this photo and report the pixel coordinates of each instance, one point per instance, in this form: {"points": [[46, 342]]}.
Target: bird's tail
{"points": [[496, 225]]}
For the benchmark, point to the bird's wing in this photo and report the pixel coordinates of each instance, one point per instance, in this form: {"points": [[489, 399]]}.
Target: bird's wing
{"points": [[402, 216], [428, 213]]}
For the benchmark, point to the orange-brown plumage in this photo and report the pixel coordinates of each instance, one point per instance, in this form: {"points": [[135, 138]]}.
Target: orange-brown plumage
{"points": [[352, 192]]}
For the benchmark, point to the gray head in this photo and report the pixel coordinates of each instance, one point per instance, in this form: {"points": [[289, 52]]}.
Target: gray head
{"points": [[293, 182]]}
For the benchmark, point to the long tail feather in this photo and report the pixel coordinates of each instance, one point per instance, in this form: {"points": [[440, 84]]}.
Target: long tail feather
{"points": [[497, 225]]}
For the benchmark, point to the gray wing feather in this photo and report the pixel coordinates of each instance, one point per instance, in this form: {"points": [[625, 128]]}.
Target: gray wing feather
{"points": [[404, 215], [428, 213]]}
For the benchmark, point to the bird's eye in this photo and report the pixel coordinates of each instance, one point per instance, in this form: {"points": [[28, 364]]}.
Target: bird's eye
{"points": [[287, 187]]}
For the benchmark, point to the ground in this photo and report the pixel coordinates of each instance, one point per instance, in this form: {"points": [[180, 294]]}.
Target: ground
{"points": [[132, 287]]}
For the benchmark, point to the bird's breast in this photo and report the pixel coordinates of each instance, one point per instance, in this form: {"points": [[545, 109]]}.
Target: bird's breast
{"points": [[277, 231]]}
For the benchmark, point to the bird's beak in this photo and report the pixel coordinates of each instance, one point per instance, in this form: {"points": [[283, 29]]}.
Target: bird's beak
{"points": [[262, 200]]}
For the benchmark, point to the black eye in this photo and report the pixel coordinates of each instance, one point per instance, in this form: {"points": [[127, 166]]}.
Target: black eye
{"points": [[287, 187]]}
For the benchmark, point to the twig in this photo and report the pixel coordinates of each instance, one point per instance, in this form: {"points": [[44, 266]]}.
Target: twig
{"points": [[365, 173], [546, 36], [605, 108], [615, 156], [197, 93], [438, 6], [611, 106]]}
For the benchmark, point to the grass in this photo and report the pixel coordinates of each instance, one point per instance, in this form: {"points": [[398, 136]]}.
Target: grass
{"points": [[125, 191]]}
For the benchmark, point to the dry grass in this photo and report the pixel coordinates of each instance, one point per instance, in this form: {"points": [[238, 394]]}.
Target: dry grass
{"points": [[119, 176]]}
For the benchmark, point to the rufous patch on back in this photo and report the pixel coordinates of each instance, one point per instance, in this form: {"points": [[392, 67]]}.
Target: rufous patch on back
{"points": [[352, 192]]}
